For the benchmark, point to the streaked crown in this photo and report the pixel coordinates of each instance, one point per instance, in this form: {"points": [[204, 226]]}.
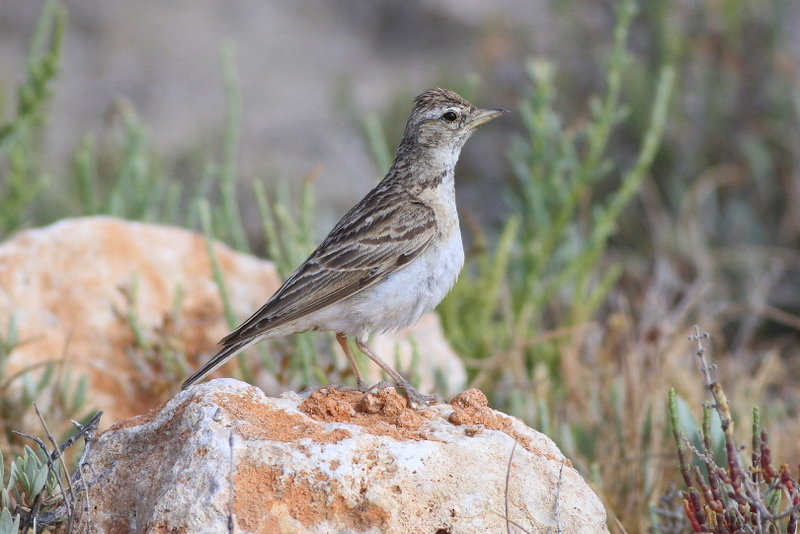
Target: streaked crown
{"points": [[439, 98]]}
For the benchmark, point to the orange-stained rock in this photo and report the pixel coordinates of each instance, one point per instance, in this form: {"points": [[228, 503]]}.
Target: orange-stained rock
{"points": [[325, 464], [73, 287]]}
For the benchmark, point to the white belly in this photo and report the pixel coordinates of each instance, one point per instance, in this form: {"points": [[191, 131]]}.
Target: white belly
{"points": [[400, 299]]}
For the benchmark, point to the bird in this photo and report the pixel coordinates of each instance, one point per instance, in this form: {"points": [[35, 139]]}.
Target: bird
{"points": [[391, 258]]}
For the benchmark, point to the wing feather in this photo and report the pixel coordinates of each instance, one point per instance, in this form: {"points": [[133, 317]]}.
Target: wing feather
{"points": [[362, 249]]}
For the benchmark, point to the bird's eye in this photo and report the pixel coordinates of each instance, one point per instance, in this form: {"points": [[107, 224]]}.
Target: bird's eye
{"points": [[450, 116]]}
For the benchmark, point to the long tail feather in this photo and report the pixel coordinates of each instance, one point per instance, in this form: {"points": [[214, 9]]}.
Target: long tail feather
{"points": [[225, 354]]}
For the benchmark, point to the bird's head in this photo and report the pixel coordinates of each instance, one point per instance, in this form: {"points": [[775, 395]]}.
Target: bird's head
{"points": [[442, 121]]}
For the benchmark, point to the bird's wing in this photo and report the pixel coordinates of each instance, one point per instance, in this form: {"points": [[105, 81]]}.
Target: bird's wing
{"points": [[363, 248]]}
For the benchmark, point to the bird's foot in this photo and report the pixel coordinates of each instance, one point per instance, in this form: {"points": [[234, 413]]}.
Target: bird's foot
{"points": [[362, 387], [380, 386], [417, 399]]}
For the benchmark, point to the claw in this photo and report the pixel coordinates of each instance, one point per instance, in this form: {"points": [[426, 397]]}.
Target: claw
{"points": [[416, 398]]}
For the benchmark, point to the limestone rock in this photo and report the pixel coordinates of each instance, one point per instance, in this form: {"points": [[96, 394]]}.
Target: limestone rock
{"points": [[72, 289], [332, 463]]}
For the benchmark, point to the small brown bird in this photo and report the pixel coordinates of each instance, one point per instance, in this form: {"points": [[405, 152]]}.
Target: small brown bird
{"points": [[392, 257]]}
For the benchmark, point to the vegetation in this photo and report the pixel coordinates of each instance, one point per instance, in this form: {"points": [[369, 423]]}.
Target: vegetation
{"points": [[731, 498], [667, 199]]}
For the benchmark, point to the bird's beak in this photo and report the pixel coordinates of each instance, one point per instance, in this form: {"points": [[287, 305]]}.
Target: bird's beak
{"points": [[484, 115]]}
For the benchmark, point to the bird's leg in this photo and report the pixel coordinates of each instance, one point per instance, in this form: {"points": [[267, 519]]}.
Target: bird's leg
{"points": [[411, 392], [342, 339]]}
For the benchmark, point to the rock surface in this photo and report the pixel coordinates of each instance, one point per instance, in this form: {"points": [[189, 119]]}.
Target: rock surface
{"points": [[332, 463], [73, 288]]}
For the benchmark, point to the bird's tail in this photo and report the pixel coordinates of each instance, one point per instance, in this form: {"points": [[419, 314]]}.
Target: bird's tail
{"points": [[225, 354]]}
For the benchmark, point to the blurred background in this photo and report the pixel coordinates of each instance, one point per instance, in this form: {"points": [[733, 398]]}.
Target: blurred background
{"points": [[703, 229], [311, 73]]}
